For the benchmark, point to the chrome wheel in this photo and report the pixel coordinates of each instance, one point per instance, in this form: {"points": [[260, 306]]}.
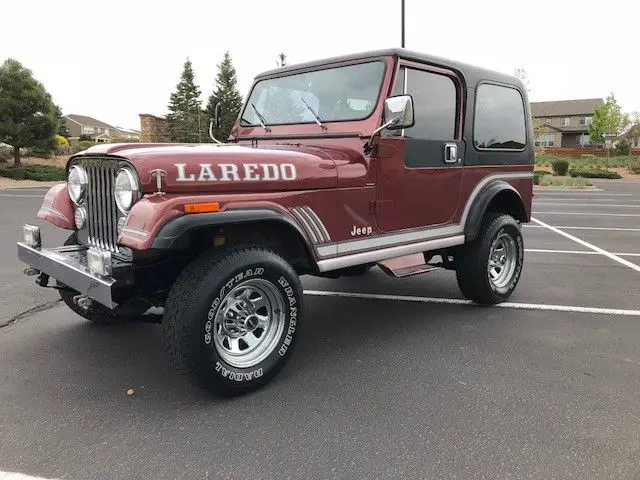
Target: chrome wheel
{"points": [[248, 323], [502, 260]]}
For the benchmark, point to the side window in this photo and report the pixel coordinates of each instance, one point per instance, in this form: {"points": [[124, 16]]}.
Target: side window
{"points": [[499, 118], [434, 100]]}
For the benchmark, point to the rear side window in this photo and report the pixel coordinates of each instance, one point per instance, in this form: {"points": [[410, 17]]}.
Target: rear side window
{"points": [[499, 122]]}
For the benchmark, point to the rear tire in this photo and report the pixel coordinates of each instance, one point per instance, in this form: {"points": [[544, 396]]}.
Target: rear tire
{"points": [[489, 268], [231, 318]]}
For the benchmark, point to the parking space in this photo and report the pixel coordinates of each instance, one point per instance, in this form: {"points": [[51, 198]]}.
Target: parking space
{"points": [[392, 378]]}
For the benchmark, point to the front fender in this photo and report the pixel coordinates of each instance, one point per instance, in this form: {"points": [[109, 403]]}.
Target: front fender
{"points": [[57, 207]]}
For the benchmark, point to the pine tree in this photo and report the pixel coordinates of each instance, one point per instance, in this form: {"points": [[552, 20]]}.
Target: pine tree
{"points": [[185, 122], [282, 60], [27, 117], [225, 93], [63, 130]]}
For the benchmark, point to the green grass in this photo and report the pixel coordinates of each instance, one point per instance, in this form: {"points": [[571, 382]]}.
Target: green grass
{"points": [[40, 173], [553, 181]]}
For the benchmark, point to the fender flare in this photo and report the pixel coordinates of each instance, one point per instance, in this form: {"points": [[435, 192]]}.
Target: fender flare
{"points": [[172, 231], [489, 193]]}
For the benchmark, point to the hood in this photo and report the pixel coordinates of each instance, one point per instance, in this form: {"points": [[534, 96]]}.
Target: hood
{"points": [[226, 168]]}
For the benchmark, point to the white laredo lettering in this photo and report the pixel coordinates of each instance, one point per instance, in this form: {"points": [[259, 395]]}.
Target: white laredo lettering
{"points": [[288, 171], [250, 171], [227, 170], [206, 173], [181, 174], [270, 171]]}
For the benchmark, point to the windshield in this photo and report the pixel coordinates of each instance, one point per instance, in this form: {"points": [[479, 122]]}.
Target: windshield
{"points": [[329, 95]]}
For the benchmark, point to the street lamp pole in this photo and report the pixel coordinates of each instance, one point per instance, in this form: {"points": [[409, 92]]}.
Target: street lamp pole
{"points": [[402, 22]]}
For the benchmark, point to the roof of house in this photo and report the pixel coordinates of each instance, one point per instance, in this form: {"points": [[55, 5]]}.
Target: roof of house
{"points": [[559, 108], [88, 121]]}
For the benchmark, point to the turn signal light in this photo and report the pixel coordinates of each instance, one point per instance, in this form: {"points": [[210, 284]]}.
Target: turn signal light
{"points": [[202, 207]]}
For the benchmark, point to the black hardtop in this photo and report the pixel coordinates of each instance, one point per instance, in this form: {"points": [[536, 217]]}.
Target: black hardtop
{"points": [[472, 74]]}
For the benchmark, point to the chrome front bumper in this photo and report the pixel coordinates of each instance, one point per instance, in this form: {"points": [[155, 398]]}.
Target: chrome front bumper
{"points": [[68, 265]]}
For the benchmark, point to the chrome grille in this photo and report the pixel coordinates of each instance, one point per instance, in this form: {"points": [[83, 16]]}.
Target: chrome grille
{"points": [[102, 211]]}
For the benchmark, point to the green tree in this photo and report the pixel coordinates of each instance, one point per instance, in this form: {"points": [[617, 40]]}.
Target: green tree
{"points": [[27, 116], [607, 119], [184, 120], [63, 130], [226, 94]]}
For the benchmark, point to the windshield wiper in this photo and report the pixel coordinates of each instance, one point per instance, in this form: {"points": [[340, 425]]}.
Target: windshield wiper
{"points": [[315, 115], [260, 118]]}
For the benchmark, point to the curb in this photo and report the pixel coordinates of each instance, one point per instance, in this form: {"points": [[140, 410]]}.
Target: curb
{"points": [[31, 184]]}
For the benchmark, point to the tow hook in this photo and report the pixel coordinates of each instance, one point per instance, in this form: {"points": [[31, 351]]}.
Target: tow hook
{"points": [[43, 280], [30, 271], [83, 302]]}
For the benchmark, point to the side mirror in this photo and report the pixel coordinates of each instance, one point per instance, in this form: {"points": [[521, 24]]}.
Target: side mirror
{"points": [[399, 111], [398, 114]]}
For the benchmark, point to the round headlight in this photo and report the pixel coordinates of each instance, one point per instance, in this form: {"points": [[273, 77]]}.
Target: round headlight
{"points": [[126, 190], [77, 183]]}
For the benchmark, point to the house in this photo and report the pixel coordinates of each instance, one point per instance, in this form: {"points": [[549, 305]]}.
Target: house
{"points": [[563, 123], [99, 131]]}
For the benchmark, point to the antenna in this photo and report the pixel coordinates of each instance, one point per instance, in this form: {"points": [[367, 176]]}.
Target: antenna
{"points": [[216, 119], [402, 23]]}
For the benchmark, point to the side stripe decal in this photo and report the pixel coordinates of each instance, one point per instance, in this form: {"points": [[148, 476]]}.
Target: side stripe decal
{"points": [[312, 224], [419, 235]]}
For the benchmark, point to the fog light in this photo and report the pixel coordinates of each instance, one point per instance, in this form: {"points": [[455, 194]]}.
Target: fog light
{"points": [[99, 261], [80, 217], [31, 235]]}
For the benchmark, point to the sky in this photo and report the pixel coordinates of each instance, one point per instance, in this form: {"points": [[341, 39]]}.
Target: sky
{"points": [[114, 60]]}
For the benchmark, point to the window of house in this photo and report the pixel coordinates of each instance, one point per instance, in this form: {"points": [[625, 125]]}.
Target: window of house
{"points": [[88, 130], [499, 118], [546, 140], [548, 121], [585, 120], [566, 121]]}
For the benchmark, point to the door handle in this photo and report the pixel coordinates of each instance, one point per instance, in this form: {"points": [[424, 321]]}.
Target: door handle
{"points": [[451, 153]]}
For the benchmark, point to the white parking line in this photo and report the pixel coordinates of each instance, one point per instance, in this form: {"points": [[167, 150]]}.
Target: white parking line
{"points": [[612, 256], [457, 301], [588, 205], [578, 194], [568, 227], [591, 214], [577, 252]]}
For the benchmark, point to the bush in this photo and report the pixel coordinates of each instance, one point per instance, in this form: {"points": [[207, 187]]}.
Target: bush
{"points": [[80, 146], [16, 172], [6, 153], [593, 173], [634, 166], [40, 173], [623, 147], [560, 167]]}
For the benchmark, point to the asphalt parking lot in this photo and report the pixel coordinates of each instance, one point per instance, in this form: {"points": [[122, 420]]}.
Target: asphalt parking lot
{"points": [[390, 379]]}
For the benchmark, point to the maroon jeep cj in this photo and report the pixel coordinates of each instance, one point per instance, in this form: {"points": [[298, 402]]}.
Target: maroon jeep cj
{"points": [[387, 158]]}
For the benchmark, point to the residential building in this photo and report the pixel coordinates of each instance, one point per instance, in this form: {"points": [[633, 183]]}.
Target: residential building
{"points": [[99, 131], [563, 123]]}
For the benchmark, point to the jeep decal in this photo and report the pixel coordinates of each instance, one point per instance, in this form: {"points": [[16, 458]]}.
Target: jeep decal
{"points": [[231, 172]]}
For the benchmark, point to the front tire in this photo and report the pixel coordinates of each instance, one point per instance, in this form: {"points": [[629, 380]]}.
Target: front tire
{"points": [[231, 318], [489, 269]]}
